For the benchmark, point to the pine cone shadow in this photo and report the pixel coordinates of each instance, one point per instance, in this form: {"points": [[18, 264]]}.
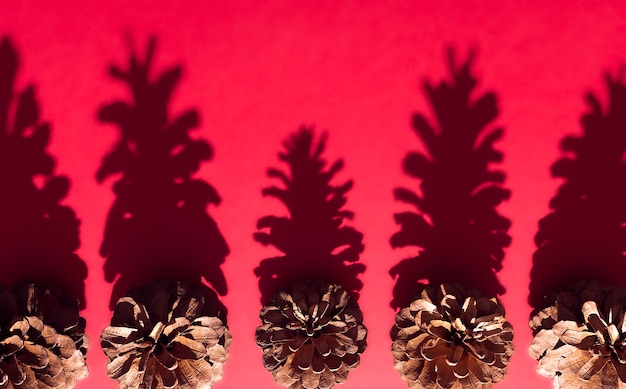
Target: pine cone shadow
{"points": [[583, 237], [158, 225], [38, 234], [316, 244], [461, 235]]}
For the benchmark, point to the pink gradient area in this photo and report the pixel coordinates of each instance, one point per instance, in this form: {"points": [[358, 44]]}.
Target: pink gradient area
{"points": [[354, 69]]}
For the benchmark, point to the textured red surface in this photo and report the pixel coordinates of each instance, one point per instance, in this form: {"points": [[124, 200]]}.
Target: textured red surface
{"points": [[256, 73]]}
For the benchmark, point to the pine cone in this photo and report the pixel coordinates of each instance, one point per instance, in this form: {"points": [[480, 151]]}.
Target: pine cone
{"points": [[167, 335], [33, 355], [56, 309], [580, 339], [312, 335], [449, 338]]}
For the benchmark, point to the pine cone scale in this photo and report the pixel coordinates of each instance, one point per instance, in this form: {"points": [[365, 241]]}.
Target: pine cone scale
{"points": [[120, 365], [297, 343], [305, 354], [351, 360], [317, 363], [461, 369], [12, 344], [64, 344], [14, 371], [204, 335], [274, 316], [434, 348], [280, 335], [132, 376], [163, 356], [217, 353], [620, 369], [455, 352], [186, 375], [171, 330], [592, 367], [445, 374], [327, 379], [427, 377], [185, 348], [479, 370], [310, 379], [322, 345], [333, 361], [130, 314], [120, 335], [34, 356]]}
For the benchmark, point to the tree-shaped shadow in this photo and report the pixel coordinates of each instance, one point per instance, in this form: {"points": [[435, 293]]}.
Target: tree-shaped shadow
{"points": [[158, 225], [583, 238], [461, 234], [38, 235], [313, 238]]}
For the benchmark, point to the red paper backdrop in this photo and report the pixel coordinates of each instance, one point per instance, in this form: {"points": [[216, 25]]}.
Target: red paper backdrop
{"points": [[257, 72]]}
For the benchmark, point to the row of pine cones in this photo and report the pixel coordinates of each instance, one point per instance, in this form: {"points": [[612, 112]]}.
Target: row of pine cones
{"points": [[169, 334], [312, 336], [42, 338]]}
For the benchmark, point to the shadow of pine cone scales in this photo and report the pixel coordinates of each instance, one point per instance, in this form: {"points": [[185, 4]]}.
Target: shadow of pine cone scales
{"points": [[449, 338], [42, 342], [167, 335], [312, 335], [580, 339]]}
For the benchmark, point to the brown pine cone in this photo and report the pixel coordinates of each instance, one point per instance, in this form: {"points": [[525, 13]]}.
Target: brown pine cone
{"points": [[56, 309], [167, 335], [580, 340], [60, 312], [312, 335], [32, 354], [449, 338]]}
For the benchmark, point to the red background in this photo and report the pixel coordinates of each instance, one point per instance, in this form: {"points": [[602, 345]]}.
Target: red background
{"points": [[353, 68]]}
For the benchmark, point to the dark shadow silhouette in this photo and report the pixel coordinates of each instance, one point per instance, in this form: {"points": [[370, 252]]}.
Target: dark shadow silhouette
{"points": [[158, 225], [316, 243], [38, 235], [583, 238], [461, 234]]}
